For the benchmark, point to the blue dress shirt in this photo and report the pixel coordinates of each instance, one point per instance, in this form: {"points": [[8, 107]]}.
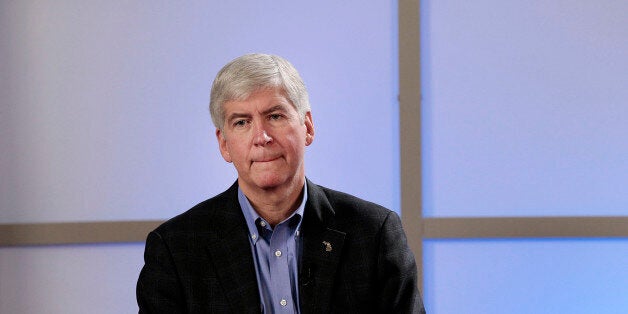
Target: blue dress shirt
{"points": [[276, 253]]}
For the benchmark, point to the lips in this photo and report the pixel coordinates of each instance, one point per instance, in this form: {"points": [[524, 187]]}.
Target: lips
{"points": [[266, 159]]}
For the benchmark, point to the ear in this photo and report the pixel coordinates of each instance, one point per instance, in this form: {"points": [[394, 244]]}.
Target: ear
{"points": [[222, 144], [309, 128]]}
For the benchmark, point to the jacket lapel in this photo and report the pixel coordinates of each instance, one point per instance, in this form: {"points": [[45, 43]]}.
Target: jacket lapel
{"points": [[322, 248], [231, 255]]}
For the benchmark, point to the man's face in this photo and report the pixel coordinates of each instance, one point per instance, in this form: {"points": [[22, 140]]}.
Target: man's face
{"points": [[264, 138]]}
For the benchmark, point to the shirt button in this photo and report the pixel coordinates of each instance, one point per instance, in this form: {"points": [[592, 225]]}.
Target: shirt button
{"points": [[278, 253], [262, 223], [283, 302], [254, 236]]}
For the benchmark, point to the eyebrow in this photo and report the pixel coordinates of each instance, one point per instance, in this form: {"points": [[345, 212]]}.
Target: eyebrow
{"points": [[236, 115], [274, 108]]}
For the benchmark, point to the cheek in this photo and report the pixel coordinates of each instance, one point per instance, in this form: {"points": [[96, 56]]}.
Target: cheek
{"points": [[297, 146], [236, 152]]}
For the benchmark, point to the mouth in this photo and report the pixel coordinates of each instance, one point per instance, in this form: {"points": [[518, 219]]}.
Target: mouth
{"points": [[266, 159]]}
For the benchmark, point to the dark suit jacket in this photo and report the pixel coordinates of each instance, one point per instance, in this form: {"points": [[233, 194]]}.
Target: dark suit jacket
{"points": [[201, 260]]}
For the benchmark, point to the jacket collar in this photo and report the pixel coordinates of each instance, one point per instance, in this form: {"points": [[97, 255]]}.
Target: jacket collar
{"points": [[322, 248], [230, 252]]}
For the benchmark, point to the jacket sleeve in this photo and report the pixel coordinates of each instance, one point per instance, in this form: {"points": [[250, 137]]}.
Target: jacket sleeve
{"points": [[158, 287], [397, 272]]}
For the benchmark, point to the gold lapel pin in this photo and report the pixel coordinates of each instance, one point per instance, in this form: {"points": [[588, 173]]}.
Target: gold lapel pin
{"points": [[327, 246]]}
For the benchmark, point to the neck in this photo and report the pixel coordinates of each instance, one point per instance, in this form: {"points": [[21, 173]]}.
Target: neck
{"points": [[276, 204]]}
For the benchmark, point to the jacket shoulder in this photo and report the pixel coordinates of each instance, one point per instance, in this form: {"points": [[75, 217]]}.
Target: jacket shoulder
{"points": [[200, 215], [352, 210]]}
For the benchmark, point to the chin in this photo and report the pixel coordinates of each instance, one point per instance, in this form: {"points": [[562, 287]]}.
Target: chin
{"points": [[270, 182]]}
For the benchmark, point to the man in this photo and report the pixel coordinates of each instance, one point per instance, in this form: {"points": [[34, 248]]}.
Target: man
{"points": [[275, 242]]}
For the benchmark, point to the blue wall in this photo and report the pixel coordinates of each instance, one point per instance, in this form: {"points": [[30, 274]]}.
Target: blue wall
{"points": [[104, 117], [525, 113], [105, 109]]}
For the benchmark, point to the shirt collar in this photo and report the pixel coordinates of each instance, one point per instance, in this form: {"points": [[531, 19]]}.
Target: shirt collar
{"points": [[251, 216]]}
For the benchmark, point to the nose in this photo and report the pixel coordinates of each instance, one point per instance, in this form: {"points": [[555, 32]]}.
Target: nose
{"points": [[262, 138]]}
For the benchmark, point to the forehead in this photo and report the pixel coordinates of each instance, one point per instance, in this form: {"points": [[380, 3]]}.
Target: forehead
{"points": [[260, 100]]}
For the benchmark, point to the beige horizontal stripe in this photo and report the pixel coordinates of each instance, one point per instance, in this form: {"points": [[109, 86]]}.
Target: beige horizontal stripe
{"points": [[433, 228], [75, 232], [525, 227]]}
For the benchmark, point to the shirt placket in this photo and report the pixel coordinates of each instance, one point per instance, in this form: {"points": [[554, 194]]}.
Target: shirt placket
{"points": [[279, 270]]}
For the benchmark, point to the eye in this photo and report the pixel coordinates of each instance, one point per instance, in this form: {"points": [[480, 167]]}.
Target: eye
{"points": [[240, 123], [275, 116]]}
